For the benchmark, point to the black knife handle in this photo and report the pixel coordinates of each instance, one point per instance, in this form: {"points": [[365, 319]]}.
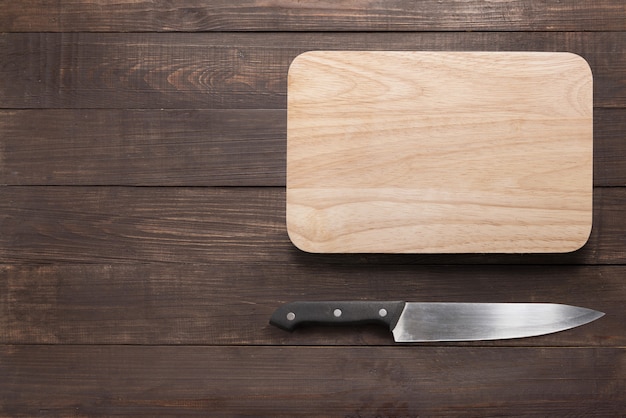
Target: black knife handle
{"points": [[293, 314]]}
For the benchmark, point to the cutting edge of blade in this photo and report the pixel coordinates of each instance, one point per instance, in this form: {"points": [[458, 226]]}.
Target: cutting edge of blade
{"points": [[583, 316]]}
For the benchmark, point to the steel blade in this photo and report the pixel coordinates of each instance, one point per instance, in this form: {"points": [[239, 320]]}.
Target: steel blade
{"points": [[423, 322]]}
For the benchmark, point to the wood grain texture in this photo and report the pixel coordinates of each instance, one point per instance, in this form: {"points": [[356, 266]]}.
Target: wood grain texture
{"points": [[205, 225], [609, 168], [232, 147], [439, 152], [243, 71], [314, 381], [219, 303], [133, 223], [291, 15], [143, 147]]}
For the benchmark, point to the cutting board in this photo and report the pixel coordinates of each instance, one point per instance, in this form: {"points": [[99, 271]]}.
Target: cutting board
{"points": [[439, 152]]}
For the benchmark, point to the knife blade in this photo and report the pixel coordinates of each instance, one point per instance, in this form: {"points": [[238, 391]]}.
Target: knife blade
{"points": [[439, 321]]}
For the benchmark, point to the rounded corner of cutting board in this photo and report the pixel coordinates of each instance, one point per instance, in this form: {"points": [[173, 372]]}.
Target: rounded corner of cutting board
{"points": [[301, 243], [585, 66], [578, 244], [300, 62]]}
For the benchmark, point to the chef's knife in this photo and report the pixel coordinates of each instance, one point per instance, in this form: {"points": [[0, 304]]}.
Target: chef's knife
{"points": [[434, 321]]}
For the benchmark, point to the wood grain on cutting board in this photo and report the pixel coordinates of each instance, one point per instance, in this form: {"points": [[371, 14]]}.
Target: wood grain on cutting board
{"points": [[439, 152]]}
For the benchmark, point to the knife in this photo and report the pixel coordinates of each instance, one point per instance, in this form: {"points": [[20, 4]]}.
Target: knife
{"points": [[434, 321]]}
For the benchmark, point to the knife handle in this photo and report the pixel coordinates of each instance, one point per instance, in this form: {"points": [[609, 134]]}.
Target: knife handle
{"points": [[293, 314]]}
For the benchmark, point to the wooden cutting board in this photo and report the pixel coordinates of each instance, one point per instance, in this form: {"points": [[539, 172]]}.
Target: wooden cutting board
{"points": [[439, 152]]}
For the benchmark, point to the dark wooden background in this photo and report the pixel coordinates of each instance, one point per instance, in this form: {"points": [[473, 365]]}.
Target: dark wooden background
{"points": [[142, 220]]}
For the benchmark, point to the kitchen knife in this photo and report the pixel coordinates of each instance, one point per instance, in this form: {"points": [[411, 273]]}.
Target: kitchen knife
{"points": [[433, 321]]}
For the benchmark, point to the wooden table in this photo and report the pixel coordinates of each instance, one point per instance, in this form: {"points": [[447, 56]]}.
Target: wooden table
{"points": [[143, 244]]}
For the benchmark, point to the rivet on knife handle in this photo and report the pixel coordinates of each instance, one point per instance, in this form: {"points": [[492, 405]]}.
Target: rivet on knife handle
{"points": [[293, 314], [435, 321]]}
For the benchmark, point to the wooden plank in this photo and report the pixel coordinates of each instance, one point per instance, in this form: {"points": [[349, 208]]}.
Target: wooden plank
{"points": [[207, 225], [230, 303], [132, 223], [477, 152], [235, 70], [311, 381], [190, 147], [143, 147], [257, 15], [609, 147]]}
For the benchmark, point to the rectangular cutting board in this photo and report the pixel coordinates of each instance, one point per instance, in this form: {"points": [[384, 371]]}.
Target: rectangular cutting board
{"points": [[439, 152]]}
